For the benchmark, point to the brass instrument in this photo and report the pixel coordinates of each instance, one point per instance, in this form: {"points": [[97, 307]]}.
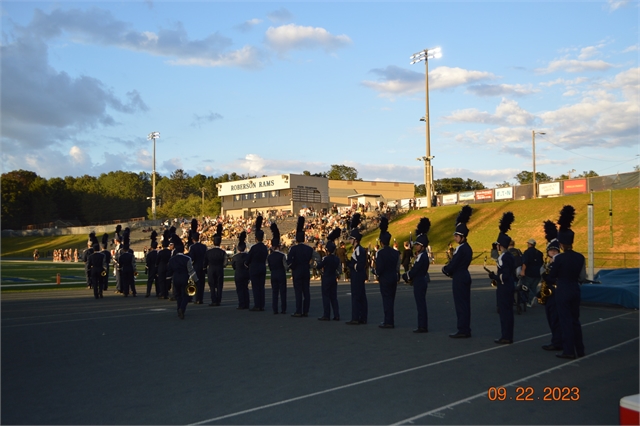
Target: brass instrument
{"points": [[103, 273], [494, 283], [545, 289], [191, 288]]}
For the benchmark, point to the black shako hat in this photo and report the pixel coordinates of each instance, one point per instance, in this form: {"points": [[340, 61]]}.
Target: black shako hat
{"points": [[275, 235], [153, 237], [565, 234], [300, 229], [422, 230], [259, 232], [385, 236], [242, 238], [355, 232], [462, 220], [331, 238], [505, 225], [217, 237], [551, 235]]}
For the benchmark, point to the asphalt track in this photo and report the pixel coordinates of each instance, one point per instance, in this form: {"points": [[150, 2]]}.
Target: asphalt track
{"points": [[68, 358]]}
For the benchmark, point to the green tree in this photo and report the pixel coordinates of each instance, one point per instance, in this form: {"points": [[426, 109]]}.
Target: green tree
{"points": [[342, 172], [525, 177], [419, 191], [456, 184], [504, 184], [588, 174]]}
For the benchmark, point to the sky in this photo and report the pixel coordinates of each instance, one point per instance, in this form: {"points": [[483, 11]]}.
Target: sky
{"points": [[265, 88]]}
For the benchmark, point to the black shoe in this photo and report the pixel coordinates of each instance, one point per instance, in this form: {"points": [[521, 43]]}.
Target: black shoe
{"points": [[305, 315], [551, 348], [283, 312], [147, 295], [172, 299], [275, 312], [134, 294], [213, 304], [324, 319], [383, 325], [336, 318], [254, 309], [503, 341], [353, 322], [459, 335], [97, 297], [566, 356], [261, 309], [100, 295], [180, 314], [363, 322], [420, 330], [296, 315]]}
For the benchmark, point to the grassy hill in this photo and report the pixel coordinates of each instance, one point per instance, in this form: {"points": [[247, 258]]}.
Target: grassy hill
{"points": [[530, 214]]}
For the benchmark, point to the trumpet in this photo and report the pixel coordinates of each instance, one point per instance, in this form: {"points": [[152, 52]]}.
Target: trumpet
{"points": [[103, 273], [191, 288]]}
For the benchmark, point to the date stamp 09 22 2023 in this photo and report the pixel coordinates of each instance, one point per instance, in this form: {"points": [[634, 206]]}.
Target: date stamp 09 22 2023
{"points": [[549, 393]]}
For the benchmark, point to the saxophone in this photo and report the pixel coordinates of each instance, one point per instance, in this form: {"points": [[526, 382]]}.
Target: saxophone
{"points": [[546, 290]]}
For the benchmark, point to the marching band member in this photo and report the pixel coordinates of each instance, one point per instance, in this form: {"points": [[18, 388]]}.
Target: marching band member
{"points": [[458, 270]]}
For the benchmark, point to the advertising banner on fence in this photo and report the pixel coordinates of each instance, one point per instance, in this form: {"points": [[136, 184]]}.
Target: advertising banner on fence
{"points": [[485, 194], [466, 196], [575, 186], [546, 189], [449, 199], [504, 193]]}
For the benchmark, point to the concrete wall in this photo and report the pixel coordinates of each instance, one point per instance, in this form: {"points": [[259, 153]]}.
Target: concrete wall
{"points": [[388, 190], [79, 230]]}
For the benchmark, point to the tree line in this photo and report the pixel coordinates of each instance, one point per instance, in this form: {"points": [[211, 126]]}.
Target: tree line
{"points": [[29, 199]]}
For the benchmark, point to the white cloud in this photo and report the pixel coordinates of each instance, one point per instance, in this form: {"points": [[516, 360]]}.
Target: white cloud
{"points": [[502, 89], [247, 26], [280, 15], [508, 112], [207, 118], [632, 48], [295, 37], [616, 4], [78, 155], [565, 82], [575, 65], [587, 52], [400, 81]]}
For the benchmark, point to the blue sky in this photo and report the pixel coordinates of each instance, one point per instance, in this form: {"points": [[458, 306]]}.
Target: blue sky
{"points": [[270, 88]]}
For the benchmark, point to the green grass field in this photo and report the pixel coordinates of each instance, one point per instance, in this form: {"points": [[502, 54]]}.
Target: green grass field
{"points": [[530, 215]]}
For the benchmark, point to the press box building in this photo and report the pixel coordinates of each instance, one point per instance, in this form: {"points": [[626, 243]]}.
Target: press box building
{"points": [[292, 192]]}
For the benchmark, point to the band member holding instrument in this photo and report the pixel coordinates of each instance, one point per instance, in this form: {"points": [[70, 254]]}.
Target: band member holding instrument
{"points": [[329, 268], [197, 253], [162, 262], [127, 266], [150, 269], [278, 266], [85, 256], [358, 268], [215, 261], [241, 273], [97, 265], [256, 261], [419, 274], [567, 271], [104, 278], [549, 297], [299, 259], [180, 271], [505, 278], [116, 257], [458, 270]]}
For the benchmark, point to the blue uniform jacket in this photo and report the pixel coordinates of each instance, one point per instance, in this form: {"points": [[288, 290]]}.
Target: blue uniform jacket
{"points": [[458, 267], [358, 263], [388, 265], [299, 257], [331, 268], [566, 271], [419, 271], [256, 259]]}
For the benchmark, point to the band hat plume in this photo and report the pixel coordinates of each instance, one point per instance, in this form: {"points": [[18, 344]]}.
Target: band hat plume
{"points": [[504, 226], [462, 220], [385, 236], [424, 225], [355, 223], [331, 238], [300, 229], [551, 235], [259, 233], [275, 235], [565, 234]]}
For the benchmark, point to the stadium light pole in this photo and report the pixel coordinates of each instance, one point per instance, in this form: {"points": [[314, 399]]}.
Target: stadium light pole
{"points": [[533, 139], [425, 55], [153, 136]]}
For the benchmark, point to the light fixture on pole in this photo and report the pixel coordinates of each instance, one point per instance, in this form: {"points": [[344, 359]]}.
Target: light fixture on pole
{"points": [[153, 136], [425, 55], [533, 138]]}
